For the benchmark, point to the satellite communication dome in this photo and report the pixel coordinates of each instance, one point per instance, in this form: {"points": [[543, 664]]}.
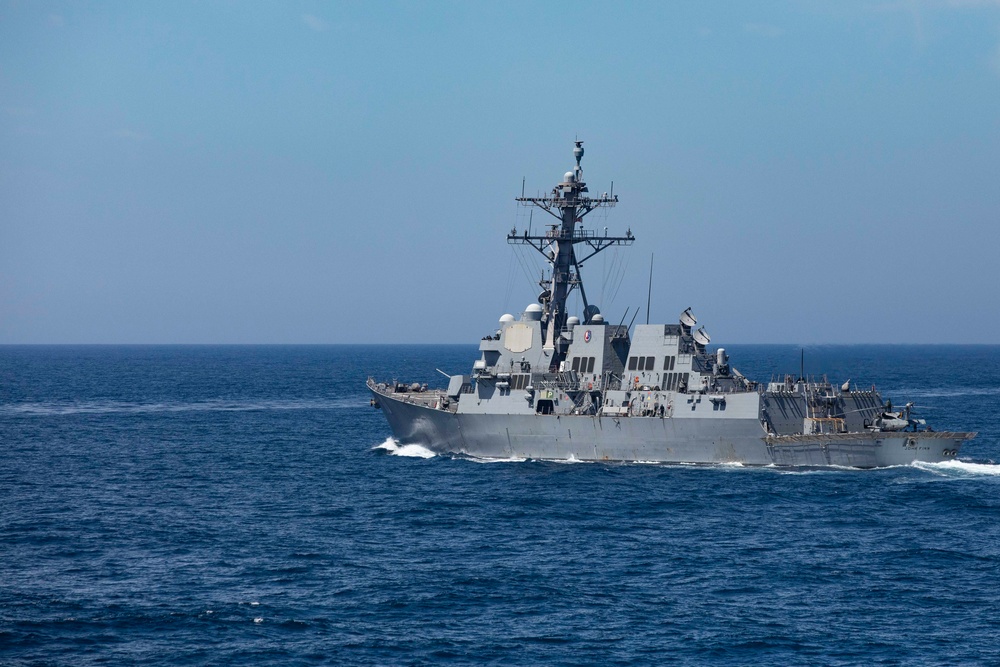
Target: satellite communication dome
{"points": [[506, 318], [688, 319], [701, 337], [569, 177], [589, 312], [597, 319], [533, 312], [572, 321]]}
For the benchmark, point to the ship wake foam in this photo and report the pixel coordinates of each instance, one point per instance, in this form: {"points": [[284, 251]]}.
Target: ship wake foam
{"points": [[960, 468], [208, 405], [489, 459], [392, 446], [947, 392]]}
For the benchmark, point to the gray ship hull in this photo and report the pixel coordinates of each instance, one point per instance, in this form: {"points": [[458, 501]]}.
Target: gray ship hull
{"points": [[553, 385], [667, 439]]}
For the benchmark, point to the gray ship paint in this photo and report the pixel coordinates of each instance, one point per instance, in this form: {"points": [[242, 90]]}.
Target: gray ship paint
{"points": [[549, 385]]}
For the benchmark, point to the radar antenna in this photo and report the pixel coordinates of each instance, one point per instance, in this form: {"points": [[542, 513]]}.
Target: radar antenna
{"points": [[568, 204]]}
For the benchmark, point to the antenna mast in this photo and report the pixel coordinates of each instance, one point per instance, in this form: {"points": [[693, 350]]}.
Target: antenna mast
{"points": [[568, 204]]}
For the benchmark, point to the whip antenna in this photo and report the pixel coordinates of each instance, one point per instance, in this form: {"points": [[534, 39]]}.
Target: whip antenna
{"points": [[649, 294]]}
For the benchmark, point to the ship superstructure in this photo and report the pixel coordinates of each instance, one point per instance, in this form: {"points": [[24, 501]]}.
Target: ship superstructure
{"points": [[551, 385]]}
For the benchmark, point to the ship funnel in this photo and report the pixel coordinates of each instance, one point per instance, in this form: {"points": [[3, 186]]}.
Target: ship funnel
{"points": [[688, 320]]}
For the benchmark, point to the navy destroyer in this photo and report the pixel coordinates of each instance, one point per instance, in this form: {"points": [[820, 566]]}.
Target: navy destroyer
{"points": [[552, 385]]}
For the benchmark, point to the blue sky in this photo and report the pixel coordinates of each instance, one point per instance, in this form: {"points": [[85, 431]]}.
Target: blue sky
{"points": [[802, 172]]}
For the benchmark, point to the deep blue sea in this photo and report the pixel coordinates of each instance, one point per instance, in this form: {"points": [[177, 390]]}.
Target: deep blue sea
{"points": [[244, 506]]}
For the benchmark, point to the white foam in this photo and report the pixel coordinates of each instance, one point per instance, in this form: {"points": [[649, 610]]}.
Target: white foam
{"points": [[416, 451], [392, 446], [210, 405], [963, 468], [259, 619], [487, 459], [951, 392], [571, 459]]}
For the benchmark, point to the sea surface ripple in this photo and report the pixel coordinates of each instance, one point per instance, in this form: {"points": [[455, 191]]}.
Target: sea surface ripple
{"points": [[245, 505]]}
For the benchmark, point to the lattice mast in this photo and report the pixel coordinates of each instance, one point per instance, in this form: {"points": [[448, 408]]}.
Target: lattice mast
{"points": [[569, 204]]}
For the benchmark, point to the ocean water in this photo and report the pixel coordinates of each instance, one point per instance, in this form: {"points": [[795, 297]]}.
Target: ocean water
{"points": [[245, 506]]}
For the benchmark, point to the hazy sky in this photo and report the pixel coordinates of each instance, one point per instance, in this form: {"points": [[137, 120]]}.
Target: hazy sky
{"points": [[803, 172]]}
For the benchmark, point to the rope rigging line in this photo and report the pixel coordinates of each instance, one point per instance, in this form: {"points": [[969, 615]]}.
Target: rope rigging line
{"points": [[621, 279]]}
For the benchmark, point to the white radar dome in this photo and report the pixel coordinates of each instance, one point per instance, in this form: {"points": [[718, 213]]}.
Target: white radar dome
{"points": [[506, 318], [533, 312], [572, 321], [598, 319]]}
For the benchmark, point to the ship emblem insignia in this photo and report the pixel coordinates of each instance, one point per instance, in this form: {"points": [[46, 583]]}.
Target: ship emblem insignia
{"points": [[586, 336]]}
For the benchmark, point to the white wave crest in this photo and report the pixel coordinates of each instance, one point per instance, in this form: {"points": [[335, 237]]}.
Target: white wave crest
{"points": [[960, 468], [392, 446]]}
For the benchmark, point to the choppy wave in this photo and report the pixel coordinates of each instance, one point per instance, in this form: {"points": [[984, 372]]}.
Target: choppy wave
{"points": [[392, 446], [217, 405], [129, 536]]}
